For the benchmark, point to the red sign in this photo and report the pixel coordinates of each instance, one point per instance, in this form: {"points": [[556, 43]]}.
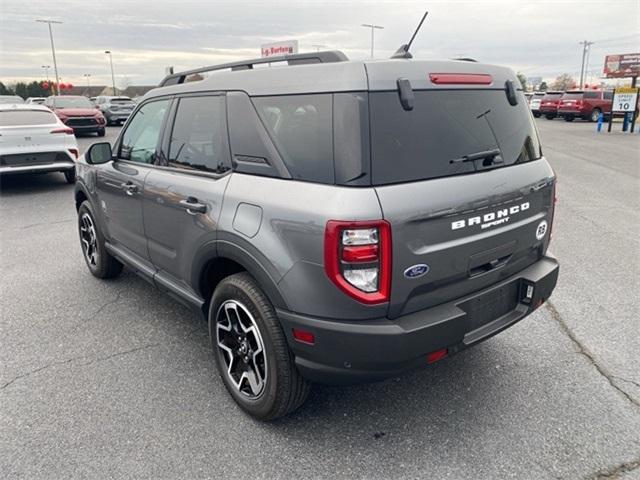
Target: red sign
{"points": [[620, 66]]}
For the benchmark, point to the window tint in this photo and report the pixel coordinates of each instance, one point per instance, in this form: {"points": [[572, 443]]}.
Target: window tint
{"points": [[199, 133], [140, 139], [14, 118], [591, 94], [301, 128], [447, 125]]}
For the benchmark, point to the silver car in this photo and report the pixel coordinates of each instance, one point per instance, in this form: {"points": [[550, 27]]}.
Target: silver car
{"points": [[116, 110]]}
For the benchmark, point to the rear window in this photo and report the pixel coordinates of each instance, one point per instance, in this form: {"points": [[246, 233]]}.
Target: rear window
{"points": [[552, 96], [445, 125], [15, 118], [301, 129]]}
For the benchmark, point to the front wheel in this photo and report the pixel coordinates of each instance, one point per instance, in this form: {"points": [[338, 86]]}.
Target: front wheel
{"points": [[101, 264], [251, 351], [549, 117], [595, 114], [568, 118], [101, 132]]}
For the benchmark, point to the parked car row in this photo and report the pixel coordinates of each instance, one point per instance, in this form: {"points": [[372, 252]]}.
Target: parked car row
{"points": [[584, 104]]}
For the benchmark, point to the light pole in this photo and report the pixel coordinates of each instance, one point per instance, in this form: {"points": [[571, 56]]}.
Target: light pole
{"points": [[53, 52], [372, 27], [87, 76], [46, 71], [585, 49], [113, 78], [318, 46]]}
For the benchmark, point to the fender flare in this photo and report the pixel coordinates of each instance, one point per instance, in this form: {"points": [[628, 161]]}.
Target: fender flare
{"points": [[252, 263]]}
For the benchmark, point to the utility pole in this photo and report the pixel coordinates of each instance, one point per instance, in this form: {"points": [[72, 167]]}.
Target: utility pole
{"points": [[46, 71], [585, 49], [372, 27], [113, 78], [53, 52]]}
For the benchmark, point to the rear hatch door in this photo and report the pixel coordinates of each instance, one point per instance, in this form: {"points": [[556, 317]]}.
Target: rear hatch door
{"points": [[458, 226]]}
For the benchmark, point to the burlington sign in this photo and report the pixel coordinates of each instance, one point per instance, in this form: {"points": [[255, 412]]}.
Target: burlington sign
{"points": [[279, 48]]}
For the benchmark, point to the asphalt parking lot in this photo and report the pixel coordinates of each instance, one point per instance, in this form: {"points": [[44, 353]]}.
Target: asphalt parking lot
{"points": [[115, 380]]}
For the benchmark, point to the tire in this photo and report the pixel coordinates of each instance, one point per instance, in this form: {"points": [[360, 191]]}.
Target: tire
{"points": [[536, 114], [101, 264], [569, 118], [100, 132], [549, 117], [237, 305], [595, 113], [70, 175]]}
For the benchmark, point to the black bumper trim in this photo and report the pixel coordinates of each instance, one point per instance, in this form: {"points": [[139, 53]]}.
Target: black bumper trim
{"points": [[369, 350]]}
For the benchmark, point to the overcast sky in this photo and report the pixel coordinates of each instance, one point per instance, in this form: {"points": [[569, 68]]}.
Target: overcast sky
{"points": [[538, 38]]}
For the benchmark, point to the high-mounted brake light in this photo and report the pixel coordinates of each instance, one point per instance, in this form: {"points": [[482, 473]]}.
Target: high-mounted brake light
{"points": [[67, 130], [460, 78], [357, 259]]}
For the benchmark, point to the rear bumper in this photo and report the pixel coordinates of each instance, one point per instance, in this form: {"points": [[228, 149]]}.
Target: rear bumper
{"points": [[363, 351], [572, 112], [47, 167]]}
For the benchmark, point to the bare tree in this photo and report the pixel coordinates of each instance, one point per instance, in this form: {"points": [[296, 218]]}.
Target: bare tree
{"points": [[563, 83]]}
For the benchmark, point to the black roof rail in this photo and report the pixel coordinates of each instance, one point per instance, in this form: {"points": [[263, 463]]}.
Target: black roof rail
{"points": [[294, 59]]}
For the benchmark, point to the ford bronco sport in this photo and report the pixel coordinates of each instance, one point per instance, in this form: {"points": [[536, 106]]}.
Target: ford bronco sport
{"points": [[335, 221]]}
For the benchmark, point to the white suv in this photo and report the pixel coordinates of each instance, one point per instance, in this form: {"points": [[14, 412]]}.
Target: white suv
{"points": [[33, 139]]}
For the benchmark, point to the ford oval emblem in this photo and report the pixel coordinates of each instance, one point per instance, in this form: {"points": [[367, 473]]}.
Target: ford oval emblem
{"points": [[416, 271]]}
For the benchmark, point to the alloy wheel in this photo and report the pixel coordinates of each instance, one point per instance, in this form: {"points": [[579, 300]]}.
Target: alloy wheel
{"points": [[242, 348], [89, 239]]}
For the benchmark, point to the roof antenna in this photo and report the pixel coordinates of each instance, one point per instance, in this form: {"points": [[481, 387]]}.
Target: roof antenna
{"points": [[403, 51]]}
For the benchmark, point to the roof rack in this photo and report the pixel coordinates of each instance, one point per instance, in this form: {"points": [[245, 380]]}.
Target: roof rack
{"points": [[295, 59]]}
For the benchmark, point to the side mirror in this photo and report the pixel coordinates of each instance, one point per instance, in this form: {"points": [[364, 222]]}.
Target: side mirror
{"points": [[99, 153]]}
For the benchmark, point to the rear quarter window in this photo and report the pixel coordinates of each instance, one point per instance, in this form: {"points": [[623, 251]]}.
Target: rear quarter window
{"points": [[15, 118], [301, 128]]}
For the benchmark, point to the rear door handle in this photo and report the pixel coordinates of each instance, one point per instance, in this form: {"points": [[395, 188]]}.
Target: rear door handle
{"points": [[129, 188], [192, 206]]}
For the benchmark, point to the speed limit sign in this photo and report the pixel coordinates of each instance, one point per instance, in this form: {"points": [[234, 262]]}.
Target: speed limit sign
{"points": [[624, 99]]}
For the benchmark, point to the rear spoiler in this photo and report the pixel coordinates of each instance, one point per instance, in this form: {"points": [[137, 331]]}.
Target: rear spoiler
{"points": [[295, 59]]}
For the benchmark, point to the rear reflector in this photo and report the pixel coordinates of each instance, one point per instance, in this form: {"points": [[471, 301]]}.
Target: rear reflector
{"points": [[437, 355], [460, 78], [303, 336]]}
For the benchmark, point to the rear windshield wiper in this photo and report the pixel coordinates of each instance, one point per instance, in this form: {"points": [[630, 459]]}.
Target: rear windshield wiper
{"points": [[490, 157]]}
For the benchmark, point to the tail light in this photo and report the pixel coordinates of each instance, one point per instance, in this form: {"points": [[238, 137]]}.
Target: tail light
{"points": [[460, 78], [357, 259], [74, 152], [67, 130]]}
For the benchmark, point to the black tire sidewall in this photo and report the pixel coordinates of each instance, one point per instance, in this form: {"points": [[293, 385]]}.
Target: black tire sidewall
{"points": [[230, 290], [99, 270]]}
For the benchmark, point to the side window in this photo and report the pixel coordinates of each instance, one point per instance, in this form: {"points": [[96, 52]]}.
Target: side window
{"points": [[301, 128], [591, 94], [198, 139], [608, 95], [140, 139]]}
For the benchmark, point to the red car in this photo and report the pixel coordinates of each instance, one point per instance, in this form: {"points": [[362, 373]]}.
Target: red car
{"points": [[76, 112], [549, 104], [587, 104]]}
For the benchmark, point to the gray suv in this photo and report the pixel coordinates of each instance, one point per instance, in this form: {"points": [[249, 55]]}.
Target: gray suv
{"points": [[116, 110], [334, 221]]}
